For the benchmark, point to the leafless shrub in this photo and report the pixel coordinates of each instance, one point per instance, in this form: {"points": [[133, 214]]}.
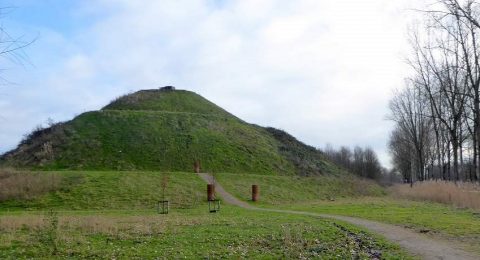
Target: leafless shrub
{"points": [[462, 194], [26, 185], [46, 152], [11, 47]]}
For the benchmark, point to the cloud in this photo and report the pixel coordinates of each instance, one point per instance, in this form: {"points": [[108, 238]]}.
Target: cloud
{"points": [[322, 70]]}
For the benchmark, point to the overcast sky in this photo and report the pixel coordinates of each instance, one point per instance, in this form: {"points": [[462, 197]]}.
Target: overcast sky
{"points": [[322, 70]]}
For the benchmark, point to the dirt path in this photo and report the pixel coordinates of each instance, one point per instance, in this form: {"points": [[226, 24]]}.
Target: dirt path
{"points": [[416, 244]]}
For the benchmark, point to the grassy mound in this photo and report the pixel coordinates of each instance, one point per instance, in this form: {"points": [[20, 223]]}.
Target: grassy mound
{"points": [[167, 131]]}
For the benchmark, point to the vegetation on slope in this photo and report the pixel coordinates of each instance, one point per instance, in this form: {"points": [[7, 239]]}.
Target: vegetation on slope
{"points": [[166, 141], [105, 190], [27, 185], [307, 160], [88, 190], [170, 101], [281, 190], [168, 131]]}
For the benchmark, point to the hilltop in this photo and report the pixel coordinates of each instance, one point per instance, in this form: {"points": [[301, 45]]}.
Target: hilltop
{"points": [[166, 129]]}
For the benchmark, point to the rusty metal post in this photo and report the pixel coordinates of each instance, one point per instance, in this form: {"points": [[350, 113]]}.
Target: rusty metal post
{"points": [[254, 192], [196, 166], [210, 192]]}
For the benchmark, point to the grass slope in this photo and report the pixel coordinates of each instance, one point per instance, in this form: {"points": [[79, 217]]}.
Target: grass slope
{"points": [[281, 190], [166, 130], [172, 101], [106, 190], [139, 190]]}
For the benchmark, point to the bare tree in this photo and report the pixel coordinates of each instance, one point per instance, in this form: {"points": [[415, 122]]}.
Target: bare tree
{"points": [[373, 169], [409, 111], [400, 149], [362, 162], [11, 48], [441, 119]]}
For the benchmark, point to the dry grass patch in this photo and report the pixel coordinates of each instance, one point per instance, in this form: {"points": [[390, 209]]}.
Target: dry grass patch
{"points": [[139, 225], [461, 194], [98, 224], [14, 223], [26, 185]]}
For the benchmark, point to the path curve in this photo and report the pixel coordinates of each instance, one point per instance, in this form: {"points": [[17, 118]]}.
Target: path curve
{"points": [[416, 244]]}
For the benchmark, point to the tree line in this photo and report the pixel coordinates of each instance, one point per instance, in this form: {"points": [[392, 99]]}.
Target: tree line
{"points": [[437, 113], [362, 162]]}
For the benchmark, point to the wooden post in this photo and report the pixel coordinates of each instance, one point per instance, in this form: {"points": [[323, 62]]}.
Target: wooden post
{"points": [[210, 192], [254, 192]]}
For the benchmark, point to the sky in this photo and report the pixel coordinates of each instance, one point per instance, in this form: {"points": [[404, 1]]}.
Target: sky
{"points": [[322, 70]]}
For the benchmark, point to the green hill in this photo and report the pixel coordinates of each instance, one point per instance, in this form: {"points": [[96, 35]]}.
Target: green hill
{"points": [[166, 130], [179, 101]]}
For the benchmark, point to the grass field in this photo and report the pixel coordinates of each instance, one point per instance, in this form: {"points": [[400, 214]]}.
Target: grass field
{"points": [[103, 213], [194, 233], [111, 215], [417, 215], [359, 199], [460, 225]]}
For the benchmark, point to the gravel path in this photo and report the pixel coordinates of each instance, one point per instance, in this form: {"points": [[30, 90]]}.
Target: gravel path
{"points": [[416, 244]]}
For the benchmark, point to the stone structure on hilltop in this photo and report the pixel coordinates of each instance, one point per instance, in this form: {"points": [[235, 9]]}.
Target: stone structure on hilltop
{"points": [[167, 88]]}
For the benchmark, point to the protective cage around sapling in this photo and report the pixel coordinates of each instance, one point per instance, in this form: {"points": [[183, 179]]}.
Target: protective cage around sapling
{"points": [[163, 207], [213, 206]]}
